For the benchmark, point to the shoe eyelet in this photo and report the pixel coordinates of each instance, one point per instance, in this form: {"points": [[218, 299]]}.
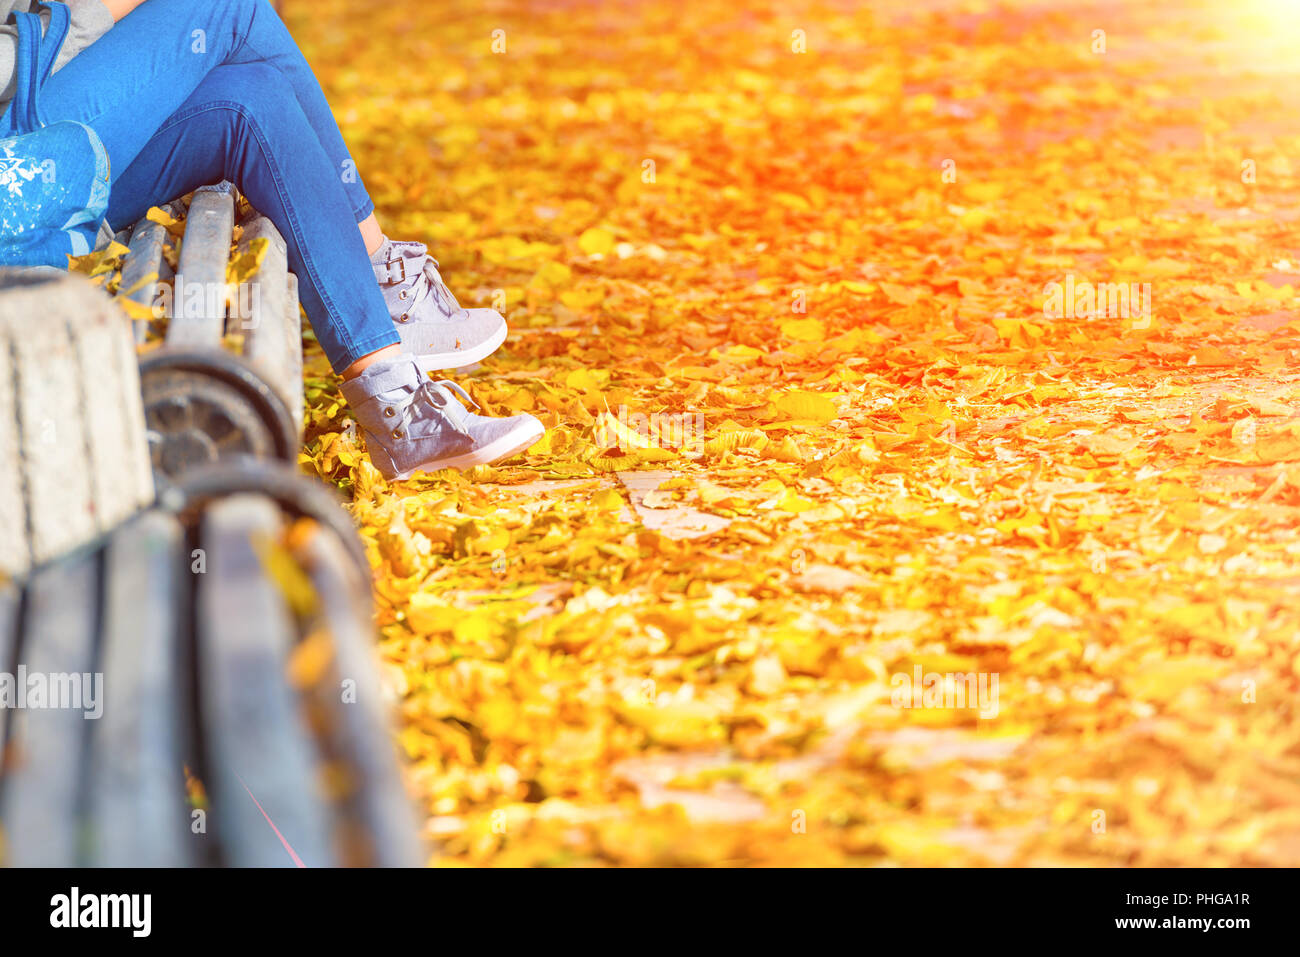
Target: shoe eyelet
{"points": [[390, 412], [398, 433], [403, 317], [402, 294]]}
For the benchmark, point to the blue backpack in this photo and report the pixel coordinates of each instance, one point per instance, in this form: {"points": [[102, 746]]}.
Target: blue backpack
{"points": [[53, 179]]}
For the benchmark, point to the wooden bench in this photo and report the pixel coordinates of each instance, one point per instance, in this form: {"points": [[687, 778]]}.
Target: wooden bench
{"points": [[72, 430], [261, 687], [202, 402], [79, 474], [152, 533]]}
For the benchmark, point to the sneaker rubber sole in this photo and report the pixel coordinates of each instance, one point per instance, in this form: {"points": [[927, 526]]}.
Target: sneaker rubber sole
{"points": [[436, 362], [522, 437]]}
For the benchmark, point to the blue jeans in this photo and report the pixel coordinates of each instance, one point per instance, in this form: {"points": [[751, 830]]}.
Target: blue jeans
{"points": [[190, 92]]}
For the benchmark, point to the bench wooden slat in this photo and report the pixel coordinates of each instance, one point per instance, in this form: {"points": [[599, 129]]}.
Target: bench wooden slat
{"points": [[380, 811], [269, 346], [15, 544], [10, 605], [293, 332], [116, 435], [42, 791], [137, 813], [259, 749], [198, 304], [125, 448], [51, 431], [73, 428], [144, 267]]}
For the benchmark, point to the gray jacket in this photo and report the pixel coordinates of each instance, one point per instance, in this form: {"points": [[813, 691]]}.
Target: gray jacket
{"points": [[90, 21]]}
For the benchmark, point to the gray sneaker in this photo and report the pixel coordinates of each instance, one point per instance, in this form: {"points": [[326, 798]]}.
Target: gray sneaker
{"points": [[413, 424], [433, 325]]}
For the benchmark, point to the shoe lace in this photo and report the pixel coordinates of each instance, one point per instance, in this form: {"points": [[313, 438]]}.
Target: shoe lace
{"points": [[439, 395], [428, 282]]}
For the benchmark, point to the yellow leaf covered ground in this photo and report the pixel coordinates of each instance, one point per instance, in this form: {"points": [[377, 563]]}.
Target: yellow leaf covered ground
{"points": [[918, 414]]}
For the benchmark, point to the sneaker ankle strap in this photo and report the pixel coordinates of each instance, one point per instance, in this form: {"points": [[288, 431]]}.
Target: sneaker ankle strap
{"points": [[393, 271]]}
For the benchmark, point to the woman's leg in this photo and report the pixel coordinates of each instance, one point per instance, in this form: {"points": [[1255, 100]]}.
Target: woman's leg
{"points": [[244, 123], [133, 78], [141, 73]]}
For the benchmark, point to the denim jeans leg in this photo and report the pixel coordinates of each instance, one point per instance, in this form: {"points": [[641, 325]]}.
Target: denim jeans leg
{"points": [[139, 73], [244, 123]]}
